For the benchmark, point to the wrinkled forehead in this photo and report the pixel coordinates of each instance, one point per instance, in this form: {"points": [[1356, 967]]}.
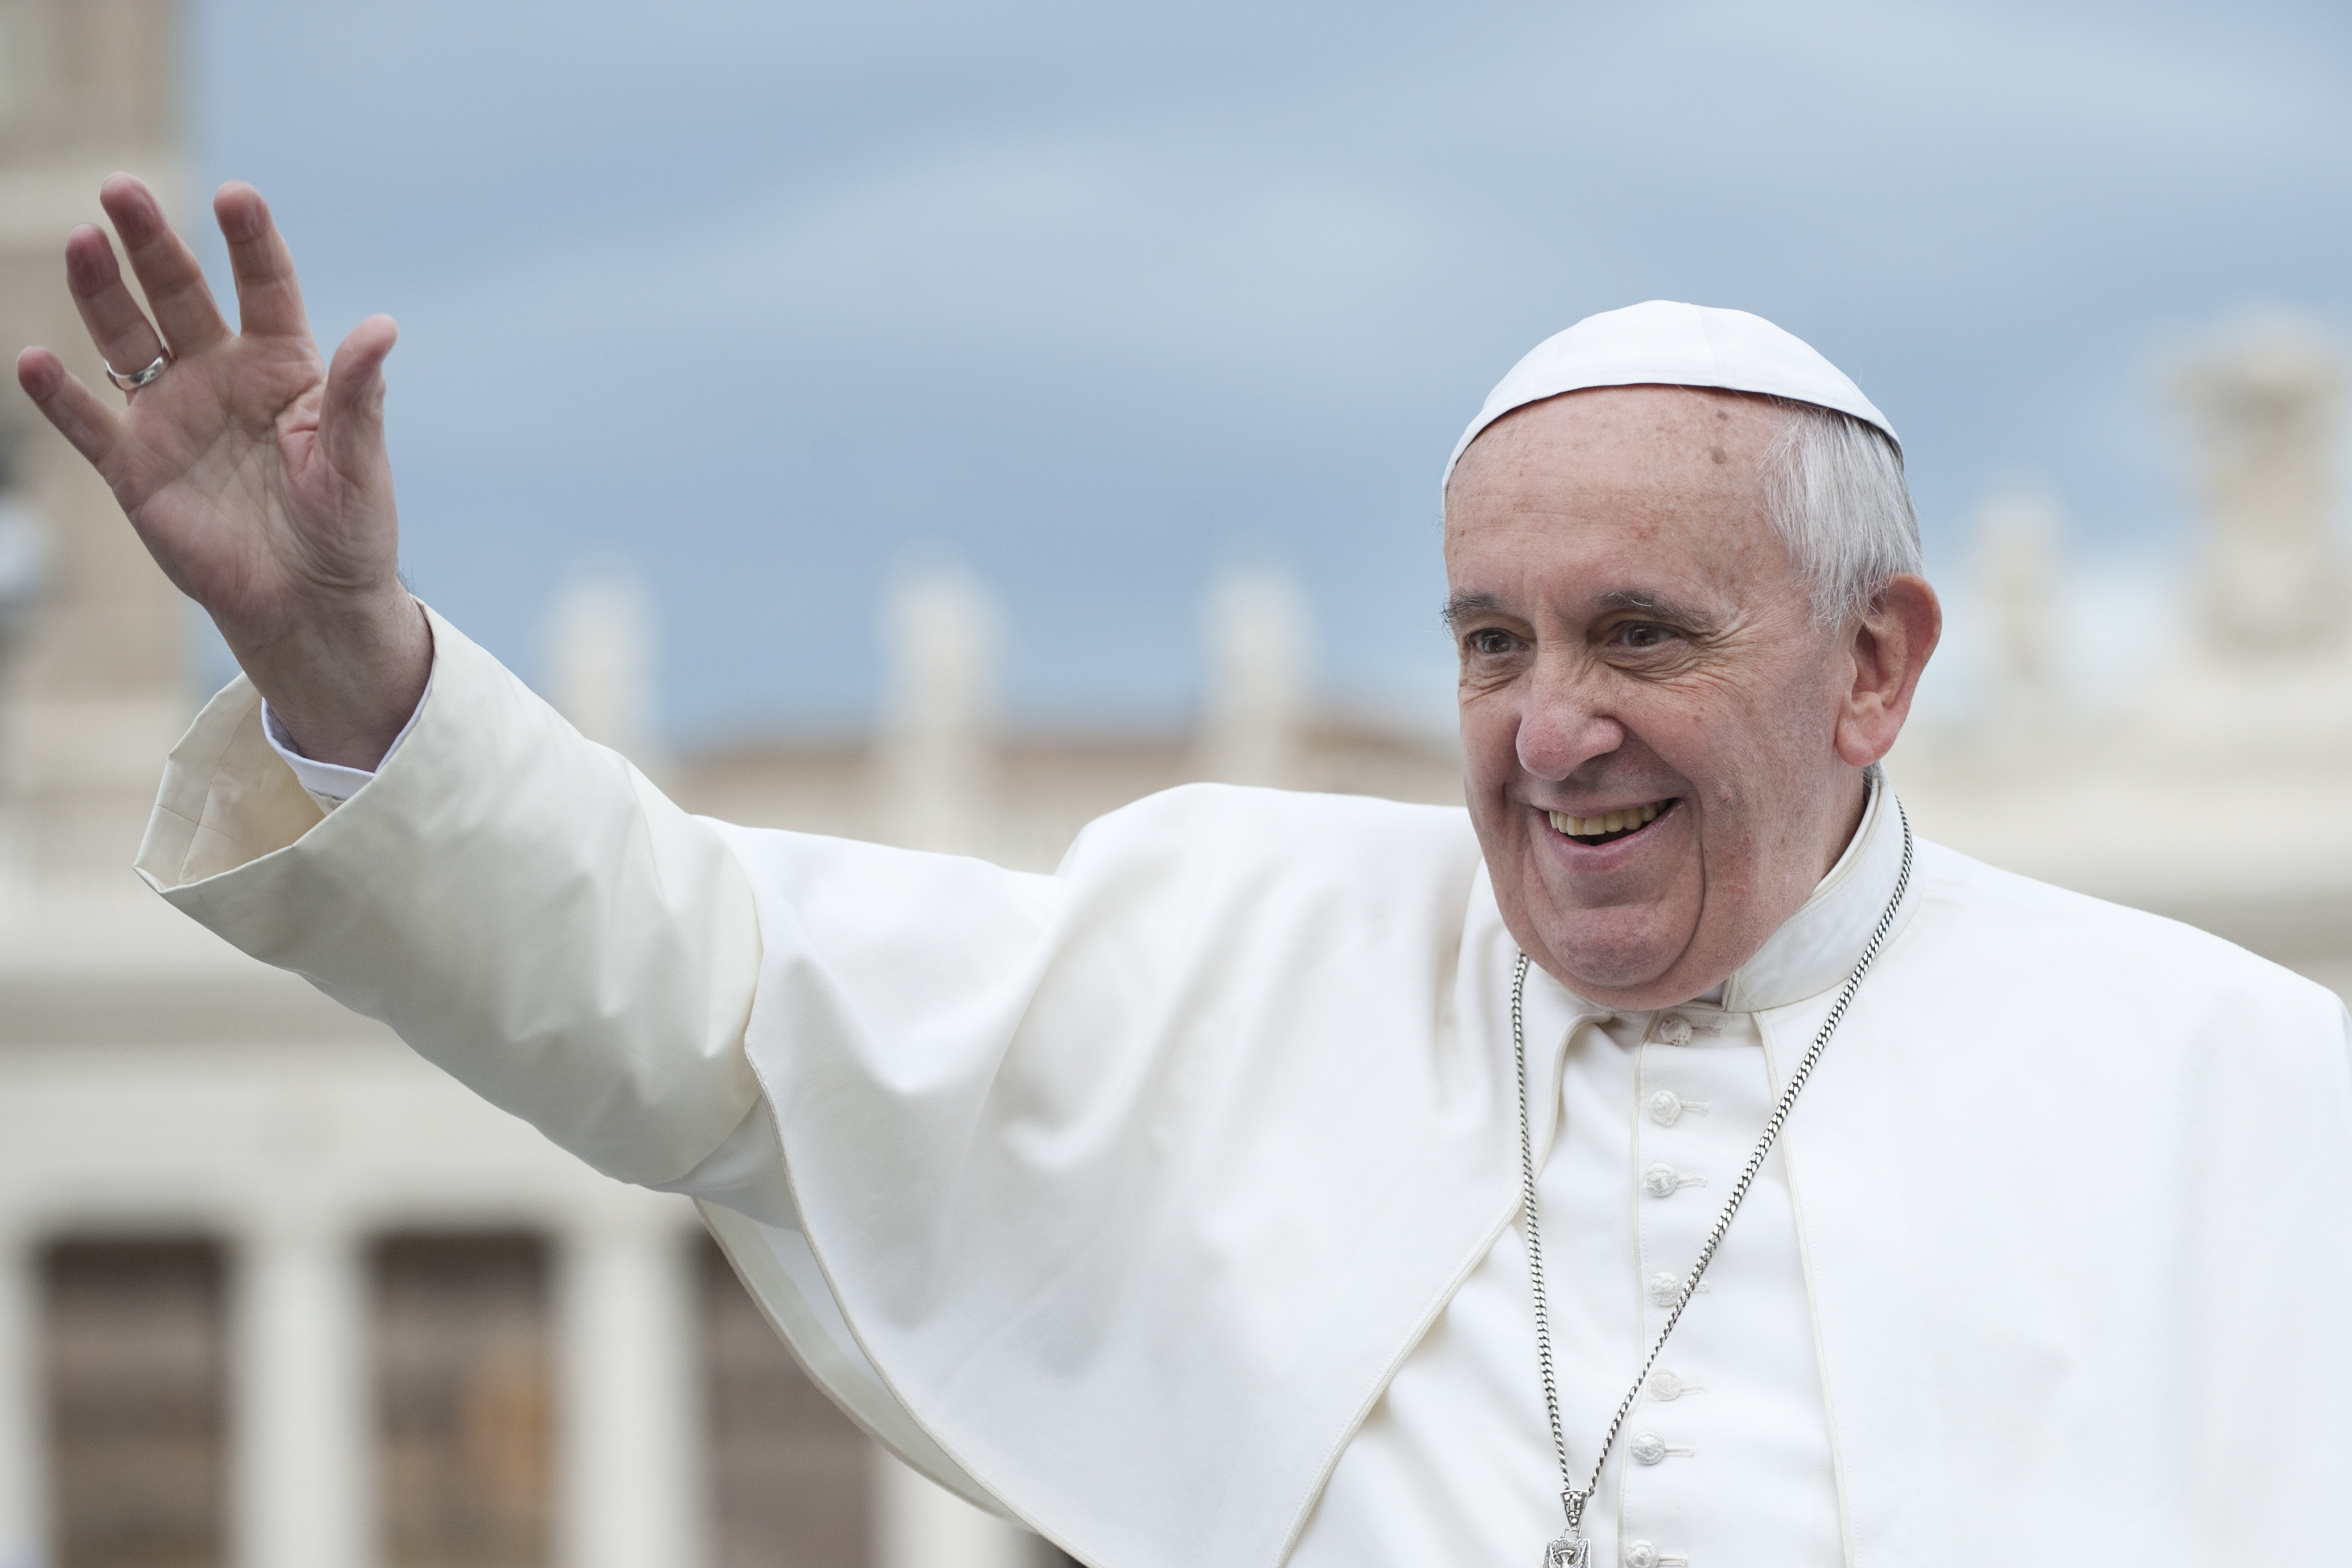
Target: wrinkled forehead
{"points": [[1630, 491], [1688, 441]]}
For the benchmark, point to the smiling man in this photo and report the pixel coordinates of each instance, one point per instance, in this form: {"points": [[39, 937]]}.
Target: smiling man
{"points": [[1670, 1161], [1665, 716]]}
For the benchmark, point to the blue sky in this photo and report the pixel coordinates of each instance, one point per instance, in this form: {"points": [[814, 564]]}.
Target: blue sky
{"points": [[766, 299]]}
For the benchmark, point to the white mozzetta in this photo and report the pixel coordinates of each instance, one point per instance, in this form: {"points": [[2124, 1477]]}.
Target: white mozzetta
{"points": [[568, 975], [1139, 1184]]}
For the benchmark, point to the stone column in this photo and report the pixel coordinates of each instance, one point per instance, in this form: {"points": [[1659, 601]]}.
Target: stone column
{"points": [[936, 760], [629, 1447], [921, 1525], [23, 1482], [600, 662], [2267, 399], [300, 1414], [1254, 720]]}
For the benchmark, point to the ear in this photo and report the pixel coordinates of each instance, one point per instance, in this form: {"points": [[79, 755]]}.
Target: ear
{"points": [[1887, 651]]}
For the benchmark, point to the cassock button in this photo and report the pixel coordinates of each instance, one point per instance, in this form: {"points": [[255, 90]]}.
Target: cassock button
{"points": [[1675, 1030], [1665, 1289], [1660, 1181], [1666, 1107], [1665, 1384], [1647, 1447], [1640, 1554]]}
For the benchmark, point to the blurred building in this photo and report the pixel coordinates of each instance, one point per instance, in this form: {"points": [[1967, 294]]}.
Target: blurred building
{"points": [[2213, 790], [944, 773]]}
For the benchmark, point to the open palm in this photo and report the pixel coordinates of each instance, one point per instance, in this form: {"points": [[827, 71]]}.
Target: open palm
{"points": [[255, 473]]}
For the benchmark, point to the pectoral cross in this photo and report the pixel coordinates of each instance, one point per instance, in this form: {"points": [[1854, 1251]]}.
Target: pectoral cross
{"points": [[1571, 1550]]}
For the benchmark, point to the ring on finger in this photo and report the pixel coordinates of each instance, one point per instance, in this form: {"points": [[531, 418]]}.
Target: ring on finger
{"points": [[139, 378]]}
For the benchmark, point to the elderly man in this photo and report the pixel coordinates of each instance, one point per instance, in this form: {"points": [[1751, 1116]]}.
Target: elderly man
{"points": [[1191, 1204]]}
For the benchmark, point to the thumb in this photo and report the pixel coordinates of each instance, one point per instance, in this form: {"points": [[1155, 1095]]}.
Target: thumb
{"points": [[350, 414]]}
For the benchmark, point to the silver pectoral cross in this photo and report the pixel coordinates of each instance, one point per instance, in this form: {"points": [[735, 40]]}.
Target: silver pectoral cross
{"points": [[1571, 1550]]}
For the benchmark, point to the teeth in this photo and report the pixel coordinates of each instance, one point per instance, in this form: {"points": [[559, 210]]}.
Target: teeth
{"points": [[1607, 822]]}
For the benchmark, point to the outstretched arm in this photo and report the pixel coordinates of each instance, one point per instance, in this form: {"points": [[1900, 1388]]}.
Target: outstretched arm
{"points": [[519, 903], [254, 471]]}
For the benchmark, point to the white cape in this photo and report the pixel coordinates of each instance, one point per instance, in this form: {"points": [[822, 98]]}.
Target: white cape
{"points": [[1134, 1184]]}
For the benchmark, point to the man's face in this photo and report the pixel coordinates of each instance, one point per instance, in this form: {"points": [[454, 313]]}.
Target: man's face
{"points": [[1637, 649]]}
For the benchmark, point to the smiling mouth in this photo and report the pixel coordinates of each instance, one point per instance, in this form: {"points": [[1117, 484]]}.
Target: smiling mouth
{"points": [[1610, 826]]}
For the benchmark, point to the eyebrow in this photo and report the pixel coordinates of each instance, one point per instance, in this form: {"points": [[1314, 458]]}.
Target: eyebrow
{"points": [[1461, 606], [1665, 608]]}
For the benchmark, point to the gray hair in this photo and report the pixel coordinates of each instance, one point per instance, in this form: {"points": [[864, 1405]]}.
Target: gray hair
{"points": [[1834, 485]]}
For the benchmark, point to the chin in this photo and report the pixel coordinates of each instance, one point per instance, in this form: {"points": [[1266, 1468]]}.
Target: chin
{"points": [[1619, 946], [1603, 964]]}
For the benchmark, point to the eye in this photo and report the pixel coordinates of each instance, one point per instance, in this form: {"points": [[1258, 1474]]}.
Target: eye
{"points": [[1490, 642], [1643, 634]]}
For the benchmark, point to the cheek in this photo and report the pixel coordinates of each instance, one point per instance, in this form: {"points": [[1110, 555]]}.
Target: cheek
{"points": [[1737, 719], [1490, 737]]}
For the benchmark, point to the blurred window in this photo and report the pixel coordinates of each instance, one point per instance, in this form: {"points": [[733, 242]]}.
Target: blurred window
{"points": [[134, 1346], [462, 1377]]}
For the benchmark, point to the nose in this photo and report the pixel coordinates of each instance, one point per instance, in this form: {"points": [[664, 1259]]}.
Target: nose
{"points": [[1561, 726]]}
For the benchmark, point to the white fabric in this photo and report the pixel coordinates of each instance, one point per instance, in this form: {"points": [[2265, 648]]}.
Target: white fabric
{"points": [[1664, 343], [1139, 1184], [330, 783], [1455, 1465]]}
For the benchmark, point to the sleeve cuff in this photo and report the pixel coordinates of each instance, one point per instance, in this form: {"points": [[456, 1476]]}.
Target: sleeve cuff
{"points": [[329, 783]]}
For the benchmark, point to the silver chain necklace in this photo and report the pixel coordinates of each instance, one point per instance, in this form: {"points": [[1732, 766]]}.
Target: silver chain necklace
{"points": [[1573, 1549]]}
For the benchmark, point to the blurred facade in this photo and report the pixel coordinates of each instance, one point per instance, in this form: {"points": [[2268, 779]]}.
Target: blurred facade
{"points": [[2213, 790], [276, 1294]]}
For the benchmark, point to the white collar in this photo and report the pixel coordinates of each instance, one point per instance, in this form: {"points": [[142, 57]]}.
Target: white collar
{"points": [[1818, 946]]}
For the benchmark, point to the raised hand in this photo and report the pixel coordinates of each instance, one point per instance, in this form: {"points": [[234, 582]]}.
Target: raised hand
{"points": [[255, 473]]}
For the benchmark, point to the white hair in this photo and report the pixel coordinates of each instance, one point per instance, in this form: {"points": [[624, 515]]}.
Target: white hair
{"points": [[1834, 485]]}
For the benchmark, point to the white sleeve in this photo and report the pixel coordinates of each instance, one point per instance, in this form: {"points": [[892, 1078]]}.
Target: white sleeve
{"points": [[519, 903], [330, 783], [531, 915]]}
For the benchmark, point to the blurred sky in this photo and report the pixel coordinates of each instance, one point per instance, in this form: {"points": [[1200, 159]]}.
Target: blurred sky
{"points": [[767, 299]]}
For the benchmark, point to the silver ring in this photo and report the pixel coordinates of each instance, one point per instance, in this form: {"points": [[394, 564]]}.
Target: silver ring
{"points": [[155, 367]]}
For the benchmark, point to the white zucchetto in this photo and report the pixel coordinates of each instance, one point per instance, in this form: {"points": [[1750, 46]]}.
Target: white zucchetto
{"points": [[1664, 343]]}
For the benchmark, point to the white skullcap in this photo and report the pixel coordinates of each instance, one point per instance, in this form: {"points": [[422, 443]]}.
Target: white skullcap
{"points": [[1662, 343]]}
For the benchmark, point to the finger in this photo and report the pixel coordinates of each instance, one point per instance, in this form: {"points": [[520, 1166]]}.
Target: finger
{"points": [[125, 337], [268, 300], [80, 414], [350, 417], [168, 270]]}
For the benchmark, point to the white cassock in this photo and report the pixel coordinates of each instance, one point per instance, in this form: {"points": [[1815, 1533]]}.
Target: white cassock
{"points": [[1167, 1203]]}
